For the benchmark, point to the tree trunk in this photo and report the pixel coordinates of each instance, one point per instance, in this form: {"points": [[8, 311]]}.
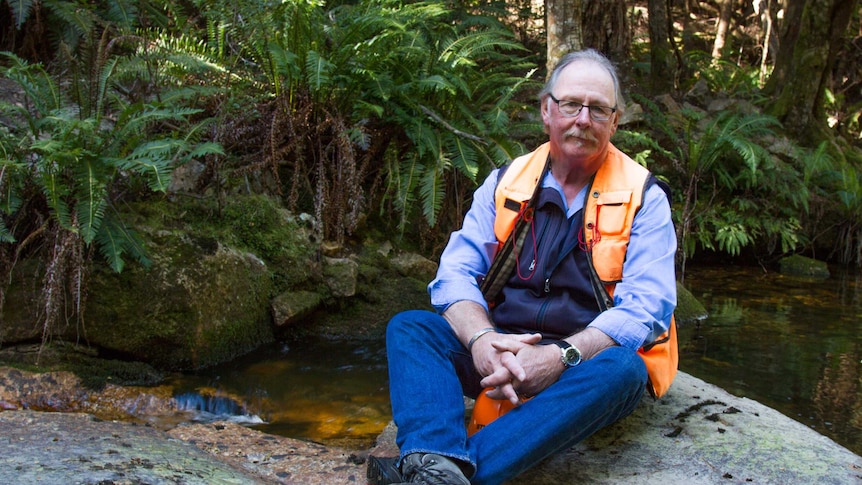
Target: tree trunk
{"points": [[766, 9], [661, 56], [723, 26], [689, 33], [577, 24], [810, 38], [565, 29], [606, 28]]}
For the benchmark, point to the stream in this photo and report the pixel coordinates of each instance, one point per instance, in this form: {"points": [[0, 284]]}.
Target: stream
{"points": [[791, 343]]}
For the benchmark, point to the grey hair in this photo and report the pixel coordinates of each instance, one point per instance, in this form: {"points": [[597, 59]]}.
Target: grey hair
{"points": [[591, 55]]}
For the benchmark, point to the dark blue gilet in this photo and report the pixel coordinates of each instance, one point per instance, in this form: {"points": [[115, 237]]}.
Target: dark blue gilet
{"points": [[555, 296]]}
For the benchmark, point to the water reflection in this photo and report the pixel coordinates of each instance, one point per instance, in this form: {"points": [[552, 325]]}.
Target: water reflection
{"points": [[320, 391], [791, 343]]}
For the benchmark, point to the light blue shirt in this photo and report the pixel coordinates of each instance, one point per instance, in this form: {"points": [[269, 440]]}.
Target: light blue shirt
{"points": [[644, 300]]}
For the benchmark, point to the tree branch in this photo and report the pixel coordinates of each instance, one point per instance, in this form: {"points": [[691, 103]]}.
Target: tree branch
{"points": [[451, 128]]}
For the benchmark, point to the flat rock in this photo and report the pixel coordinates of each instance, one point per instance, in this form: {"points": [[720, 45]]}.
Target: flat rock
{"points": [[696, 434], [57, 448]]}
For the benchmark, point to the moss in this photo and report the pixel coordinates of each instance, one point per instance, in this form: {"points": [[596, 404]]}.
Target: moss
{"points": [[253, 223], [94, 370], [798, 265], [688, 308], [192, 308]]}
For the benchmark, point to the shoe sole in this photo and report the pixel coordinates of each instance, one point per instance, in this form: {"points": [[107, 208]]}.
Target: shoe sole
{"points": [[382, 471]]}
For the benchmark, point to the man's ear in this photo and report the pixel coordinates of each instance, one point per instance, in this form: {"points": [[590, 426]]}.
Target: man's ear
{"points": [[546, 114], [615, 123]]}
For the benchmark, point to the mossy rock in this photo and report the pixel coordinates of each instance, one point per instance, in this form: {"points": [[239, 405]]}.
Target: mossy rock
{"points": [[798, 265], [195, 307], [688, 308], [85, 362]]}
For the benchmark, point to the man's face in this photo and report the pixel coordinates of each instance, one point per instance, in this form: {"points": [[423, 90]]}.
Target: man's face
{"points": [[580, 139]]}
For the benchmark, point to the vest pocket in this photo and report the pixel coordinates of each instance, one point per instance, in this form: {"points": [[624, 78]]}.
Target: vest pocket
{"points": [[611, 211]]}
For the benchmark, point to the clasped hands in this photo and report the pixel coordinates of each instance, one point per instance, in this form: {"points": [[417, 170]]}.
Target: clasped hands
{"points": [[516, 365]]}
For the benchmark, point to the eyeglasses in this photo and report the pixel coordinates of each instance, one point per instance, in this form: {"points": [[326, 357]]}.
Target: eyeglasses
{"points": [[573, 108]]}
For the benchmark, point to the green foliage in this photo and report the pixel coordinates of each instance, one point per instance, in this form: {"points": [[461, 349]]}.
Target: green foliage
{"points": [[257, 224], [724, 76], [731, 192], [73, 24], [837, 181], [76, 155], [428, 89]]}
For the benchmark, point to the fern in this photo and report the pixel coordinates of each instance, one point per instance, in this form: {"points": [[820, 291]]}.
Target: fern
{"points": [[114, 240], [724, 157], [20, 11], [123, 13], [432, 193], [318, 71], [465, 157], [77, 155]]}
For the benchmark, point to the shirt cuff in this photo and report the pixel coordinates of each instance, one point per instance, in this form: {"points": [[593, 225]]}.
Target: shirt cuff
{"points": [[446, 292], [627, 333]]}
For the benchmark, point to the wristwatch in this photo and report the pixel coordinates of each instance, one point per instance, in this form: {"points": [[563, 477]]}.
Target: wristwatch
{"points": [[569, 354]]}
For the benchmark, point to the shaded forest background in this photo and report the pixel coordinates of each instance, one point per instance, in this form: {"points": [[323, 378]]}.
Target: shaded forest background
{"points": [[379, 117]]}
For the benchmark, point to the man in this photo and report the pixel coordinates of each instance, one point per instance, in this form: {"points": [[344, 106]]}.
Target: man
{"points": [[548, 335]]}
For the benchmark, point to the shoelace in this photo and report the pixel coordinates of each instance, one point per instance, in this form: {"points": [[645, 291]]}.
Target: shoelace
{"points": [[429, 475]]}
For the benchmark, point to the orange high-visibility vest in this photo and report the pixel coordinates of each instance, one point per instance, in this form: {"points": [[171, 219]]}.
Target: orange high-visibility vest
{"points": [[613, 199]]}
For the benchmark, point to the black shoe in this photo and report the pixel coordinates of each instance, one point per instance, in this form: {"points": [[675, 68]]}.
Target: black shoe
{"points": [[382, 471], [432, 469]]}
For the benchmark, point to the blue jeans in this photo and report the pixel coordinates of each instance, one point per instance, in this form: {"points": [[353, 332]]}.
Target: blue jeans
{"points": [[430, 371]]}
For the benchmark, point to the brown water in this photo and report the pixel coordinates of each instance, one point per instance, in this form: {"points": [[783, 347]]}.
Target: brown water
{"points": [[793, 344]]}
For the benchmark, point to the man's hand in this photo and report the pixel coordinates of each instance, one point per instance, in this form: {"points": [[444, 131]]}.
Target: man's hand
{"points": [[494, 356], [541, 365]]}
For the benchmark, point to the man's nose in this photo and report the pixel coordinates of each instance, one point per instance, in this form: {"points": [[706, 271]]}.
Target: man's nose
{"points": [[583, 116]]}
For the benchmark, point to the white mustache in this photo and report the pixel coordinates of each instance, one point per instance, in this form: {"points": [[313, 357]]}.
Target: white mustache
{"points": [[577, 133]]}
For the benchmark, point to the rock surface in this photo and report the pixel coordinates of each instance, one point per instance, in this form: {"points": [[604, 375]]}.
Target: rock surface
{"points": [[60, 448], [696, 434]]}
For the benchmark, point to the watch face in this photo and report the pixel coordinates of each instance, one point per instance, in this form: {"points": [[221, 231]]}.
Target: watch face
{"points": [[571, 356]]}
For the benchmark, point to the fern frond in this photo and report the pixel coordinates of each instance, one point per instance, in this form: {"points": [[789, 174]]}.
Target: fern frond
{"points": [[20, 11], [114, 240], [318, 71], [90, 192], [464, 156], [36, 83], [80, 21], [55, 192], [153, 161], [102, 88], [435, 83], [123, 13], [201, 150], [463, 51], [111, 243], [432, 192], [406, 178], [91, 212]]}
